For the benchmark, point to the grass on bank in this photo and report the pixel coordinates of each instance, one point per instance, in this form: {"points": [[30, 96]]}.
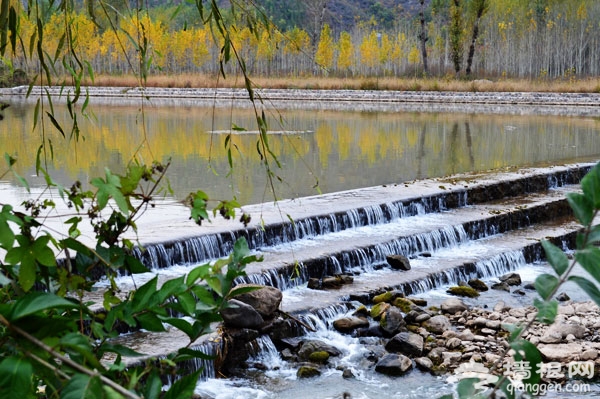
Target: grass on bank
{"points": [[570, 85]]}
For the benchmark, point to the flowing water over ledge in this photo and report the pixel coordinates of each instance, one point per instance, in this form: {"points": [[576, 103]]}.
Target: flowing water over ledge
{"points": [[480, 227]]}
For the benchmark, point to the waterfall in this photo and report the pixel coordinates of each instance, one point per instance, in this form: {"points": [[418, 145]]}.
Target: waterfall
{"points": [[500, 264]]}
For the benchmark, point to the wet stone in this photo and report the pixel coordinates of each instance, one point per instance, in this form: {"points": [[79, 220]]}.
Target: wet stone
{"points": [[398, 262], [307, 372], [478, 284], [501, 287], [406, 342], [393, 364], [511, 279], [350, 323]]}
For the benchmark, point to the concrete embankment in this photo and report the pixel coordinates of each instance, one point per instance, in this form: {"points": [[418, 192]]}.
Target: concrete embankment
{"points": [[522, 103]]}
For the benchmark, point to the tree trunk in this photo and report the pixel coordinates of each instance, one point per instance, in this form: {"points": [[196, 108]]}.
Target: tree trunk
{"points": [[423, 37], [479, 11], [456, 42]]}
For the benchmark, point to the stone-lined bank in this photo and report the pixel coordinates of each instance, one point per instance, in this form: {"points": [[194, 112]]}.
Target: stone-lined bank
{"points": [[523, 103]]}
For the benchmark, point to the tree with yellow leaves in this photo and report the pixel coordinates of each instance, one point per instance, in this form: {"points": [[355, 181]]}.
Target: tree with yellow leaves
{"points": [[324, 54], [345, 59]]}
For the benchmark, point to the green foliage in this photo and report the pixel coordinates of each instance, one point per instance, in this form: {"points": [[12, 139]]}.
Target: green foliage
{"points": [[51, 337]]}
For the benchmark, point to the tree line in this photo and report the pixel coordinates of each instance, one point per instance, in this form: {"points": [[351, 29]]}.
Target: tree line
{"points": [[484, 38]]}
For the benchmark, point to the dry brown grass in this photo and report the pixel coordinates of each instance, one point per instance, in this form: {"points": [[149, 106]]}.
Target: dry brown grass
{"points": [[591, 85]]}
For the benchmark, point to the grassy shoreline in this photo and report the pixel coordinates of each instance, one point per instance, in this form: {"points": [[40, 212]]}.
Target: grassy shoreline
{"points": [[589, 85]]}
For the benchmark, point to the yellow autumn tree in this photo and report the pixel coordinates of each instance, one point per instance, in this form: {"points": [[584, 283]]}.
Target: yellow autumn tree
{"points": [[324, 55], [345, 52], [385, 50], [369, 50], [297, 41]]}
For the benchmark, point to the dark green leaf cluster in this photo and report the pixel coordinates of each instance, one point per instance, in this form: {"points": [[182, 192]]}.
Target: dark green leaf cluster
{"points": [[52, 337]]}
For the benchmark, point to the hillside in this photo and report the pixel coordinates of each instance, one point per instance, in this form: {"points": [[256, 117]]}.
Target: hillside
{"points": [[339, 14]]}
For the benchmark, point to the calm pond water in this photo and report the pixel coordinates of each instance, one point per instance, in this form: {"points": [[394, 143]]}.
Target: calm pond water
{"points": [[338, 150]]}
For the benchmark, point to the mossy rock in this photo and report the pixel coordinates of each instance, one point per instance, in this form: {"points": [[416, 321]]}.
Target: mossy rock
{"points": [[361, 311], [385, 297], [319, 357], [404, 304], [379, 309], [307, 372], [412, 328], [463, 291]]}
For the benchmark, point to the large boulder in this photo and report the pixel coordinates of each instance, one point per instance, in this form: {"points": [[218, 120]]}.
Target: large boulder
{"points": [[311, 346], [241, 315], [392, 322], [393, 364], [398, 262], [264, 299], [406, 342]]}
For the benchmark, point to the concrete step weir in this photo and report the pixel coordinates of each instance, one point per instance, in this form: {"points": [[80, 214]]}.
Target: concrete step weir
{"points": [[470, 225]]}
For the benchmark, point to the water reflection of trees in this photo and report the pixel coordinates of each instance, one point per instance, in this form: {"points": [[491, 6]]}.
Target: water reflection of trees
{"points": [[345, 150]]}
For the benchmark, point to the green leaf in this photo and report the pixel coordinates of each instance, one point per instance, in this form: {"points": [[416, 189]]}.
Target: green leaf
{"points": [[589, 287], [56, 124], [15, 378], [594, 236], [242, 290], [187, 302], [27, 271], [557, 258], [590, 185], [110, 188], [589, 259], [143, 297], [466, 388], [180, 324], [149, 321], [171, 287], [82, 386], [582, 206], [122, 350], [197, 273], [130, 181], [191, 353], [110, 393], [7, 236], [526, 351], [42, 253], [547, 310], [78, 347], [77, 246], [35, 302], [184, 387], [134, 265], [153, 386], [545, 284]]}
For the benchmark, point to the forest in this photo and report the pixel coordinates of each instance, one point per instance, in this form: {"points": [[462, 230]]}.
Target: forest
{"points": [[484, 38]]}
